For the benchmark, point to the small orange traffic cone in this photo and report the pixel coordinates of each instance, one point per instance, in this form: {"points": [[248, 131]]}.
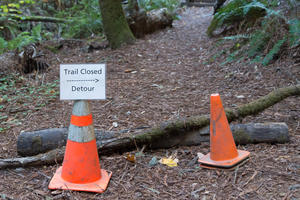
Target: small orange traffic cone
{"points": [[81, 168], [223, 152]]}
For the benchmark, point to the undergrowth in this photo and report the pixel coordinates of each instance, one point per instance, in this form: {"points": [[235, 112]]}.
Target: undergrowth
{"points": [[259, 32], [84, 20], [148, 5], [21, 40], [19, 97]]}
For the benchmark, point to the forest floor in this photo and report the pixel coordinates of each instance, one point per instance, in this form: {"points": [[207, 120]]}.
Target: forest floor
{"points": [[164, 76]]}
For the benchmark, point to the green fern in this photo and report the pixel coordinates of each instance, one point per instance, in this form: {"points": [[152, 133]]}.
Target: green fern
{"points": [[257, 42], [260, 44], [84, 20], [276, 48], [237, 37], [36, 32], [294, 31], [21, 40], [236, 11], [3, 45]]}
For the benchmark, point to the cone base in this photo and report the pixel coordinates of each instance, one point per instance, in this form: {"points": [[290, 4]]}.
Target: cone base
{"points": [[206, 162], [99, 186]]}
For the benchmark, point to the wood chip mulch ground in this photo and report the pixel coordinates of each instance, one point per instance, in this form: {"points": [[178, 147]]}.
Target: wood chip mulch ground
{"points": [[164, 76]]}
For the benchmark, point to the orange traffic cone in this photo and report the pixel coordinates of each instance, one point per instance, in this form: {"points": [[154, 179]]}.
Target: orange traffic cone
{"points": [[223, 152], [81, 168]]}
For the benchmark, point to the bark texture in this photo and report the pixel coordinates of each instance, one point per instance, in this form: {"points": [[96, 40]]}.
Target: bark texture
{"points": [[36, 142], [115, 25]]}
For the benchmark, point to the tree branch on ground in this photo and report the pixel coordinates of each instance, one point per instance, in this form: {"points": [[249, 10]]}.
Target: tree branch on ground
{"points": [[158, 135]]}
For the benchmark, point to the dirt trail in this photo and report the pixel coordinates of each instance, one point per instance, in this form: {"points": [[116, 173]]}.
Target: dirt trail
{"points": [[167, 75]]}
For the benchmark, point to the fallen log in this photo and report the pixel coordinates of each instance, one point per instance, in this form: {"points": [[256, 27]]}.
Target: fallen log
{"points": [[243, 134], [177, 129], [142, 22], [36, 142], [41, 141], [24, 18]]}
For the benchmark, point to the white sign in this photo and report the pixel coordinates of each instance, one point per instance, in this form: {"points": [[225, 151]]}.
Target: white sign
{"points": [[82, 81]]}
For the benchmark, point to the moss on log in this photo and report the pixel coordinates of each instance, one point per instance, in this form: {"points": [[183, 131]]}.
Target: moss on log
{"points": [[36, 18], [195, 123], [177, 129]]}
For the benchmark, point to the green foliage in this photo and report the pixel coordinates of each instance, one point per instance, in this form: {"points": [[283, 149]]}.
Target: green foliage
{"points": [[21, 40], [20, 93], [36, 32], [10, 27], [15, 7], [237, 11], [148, 5], [261, 41], [294, 30], [3, 45], [85, 19], [273, 51]]}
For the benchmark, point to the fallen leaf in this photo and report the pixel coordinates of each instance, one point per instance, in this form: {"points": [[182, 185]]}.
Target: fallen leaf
{"points": [[158, 86], [169, 161], [174, 89], [240, 96], [128, 70], [200, 155], [55, 192], [115, 124], [130, 157]]}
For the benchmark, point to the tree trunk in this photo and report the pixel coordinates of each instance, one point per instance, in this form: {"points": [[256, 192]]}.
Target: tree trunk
{"points": [[115, 25]]}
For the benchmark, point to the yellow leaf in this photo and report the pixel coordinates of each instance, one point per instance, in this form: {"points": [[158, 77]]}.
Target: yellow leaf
{"points": [[130, 157], [169, 161], [5, 9]]}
